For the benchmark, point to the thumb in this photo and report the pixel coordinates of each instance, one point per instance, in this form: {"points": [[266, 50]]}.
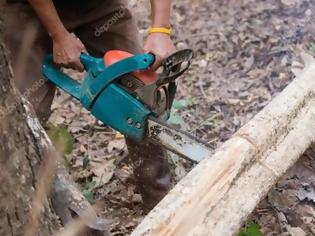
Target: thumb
{"points": [[157, 63]]}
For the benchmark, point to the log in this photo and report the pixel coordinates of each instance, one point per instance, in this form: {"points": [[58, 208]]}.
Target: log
{"points": [[218, 195]]}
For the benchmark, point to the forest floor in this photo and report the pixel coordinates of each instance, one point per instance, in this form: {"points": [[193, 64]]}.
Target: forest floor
{"points": [[244, 52]]}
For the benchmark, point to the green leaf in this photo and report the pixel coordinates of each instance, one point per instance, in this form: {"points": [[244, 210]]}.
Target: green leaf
{"points": [[61, 138], [86, 162], [251, 230], [175, 119], [190, 78], [90, 185], [181, 104], [87, 190], [312, 48], [89, 195]]}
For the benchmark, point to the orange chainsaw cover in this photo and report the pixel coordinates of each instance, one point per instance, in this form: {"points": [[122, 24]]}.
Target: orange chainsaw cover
{"points": [[146, 76]]}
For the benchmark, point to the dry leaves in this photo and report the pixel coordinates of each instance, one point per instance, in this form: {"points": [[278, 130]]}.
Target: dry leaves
{"points": [[244, 54], [103, 171]]}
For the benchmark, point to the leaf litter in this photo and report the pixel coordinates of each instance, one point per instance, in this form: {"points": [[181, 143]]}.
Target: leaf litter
{"points": [[246, 52]]}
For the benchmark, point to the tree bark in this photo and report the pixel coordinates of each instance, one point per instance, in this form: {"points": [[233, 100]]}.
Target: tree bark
{"points": [[29, 162], [22, 145], [217, 196]]}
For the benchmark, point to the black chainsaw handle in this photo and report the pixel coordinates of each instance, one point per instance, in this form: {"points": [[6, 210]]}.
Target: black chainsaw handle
{"points": [[175, 65]]}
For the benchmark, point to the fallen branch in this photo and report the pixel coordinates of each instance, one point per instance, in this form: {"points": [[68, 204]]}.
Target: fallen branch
{"points": [[217, 196]]}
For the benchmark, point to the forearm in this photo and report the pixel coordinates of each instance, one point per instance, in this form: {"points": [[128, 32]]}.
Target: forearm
{"points": [[161, 13], [48, 15]]}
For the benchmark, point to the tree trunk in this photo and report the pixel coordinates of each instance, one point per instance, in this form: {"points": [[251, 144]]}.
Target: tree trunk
{"points": [[21, 150]]}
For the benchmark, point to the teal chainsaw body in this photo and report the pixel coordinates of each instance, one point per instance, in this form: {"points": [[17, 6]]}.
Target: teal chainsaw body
{"points": [[108, 99]]}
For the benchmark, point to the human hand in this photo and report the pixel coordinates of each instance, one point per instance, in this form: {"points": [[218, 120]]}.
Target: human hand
{"points": [[67, 50], [161, 45]]}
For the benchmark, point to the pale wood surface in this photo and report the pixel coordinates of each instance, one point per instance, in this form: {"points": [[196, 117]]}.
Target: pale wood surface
{"points": [[217, 196]]}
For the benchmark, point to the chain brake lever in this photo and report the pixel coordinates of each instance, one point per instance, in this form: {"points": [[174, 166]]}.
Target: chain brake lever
{"points": [[175, 65]]}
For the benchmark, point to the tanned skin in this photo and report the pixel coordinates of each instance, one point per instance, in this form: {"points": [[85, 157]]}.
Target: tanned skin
{"points": [[67, 48], [160, 44]]}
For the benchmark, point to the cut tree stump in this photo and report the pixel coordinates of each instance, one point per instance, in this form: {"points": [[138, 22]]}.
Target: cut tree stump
{"points": [[218, 195]]}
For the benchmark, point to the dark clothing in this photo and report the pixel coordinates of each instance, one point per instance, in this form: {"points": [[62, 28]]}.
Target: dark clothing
{"points": [[108, 26], [77, 4], [74, 4]]}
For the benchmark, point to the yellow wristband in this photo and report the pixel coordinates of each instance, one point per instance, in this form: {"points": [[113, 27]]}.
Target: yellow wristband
{"points": [[160, 30]]}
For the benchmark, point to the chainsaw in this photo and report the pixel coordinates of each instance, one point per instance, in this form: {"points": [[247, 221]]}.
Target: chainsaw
{"points": [[123, 92]]}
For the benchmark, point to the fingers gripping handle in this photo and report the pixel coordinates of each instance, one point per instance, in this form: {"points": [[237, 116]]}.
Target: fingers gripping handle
{"points": [[53, 73], [87, 60]]}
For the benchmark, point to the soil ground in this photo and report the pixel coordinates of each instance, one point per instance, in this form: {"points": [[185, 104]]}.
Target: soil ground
{"points": [[244, 51]]}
